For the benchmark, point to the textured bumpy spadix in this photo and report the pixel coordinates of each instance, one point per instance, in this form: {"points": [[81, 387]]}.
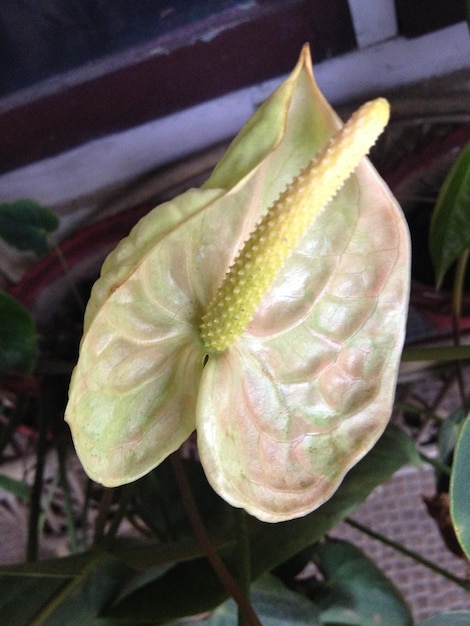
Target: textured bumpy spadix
{"points": [[265, 252], [304, 389]]}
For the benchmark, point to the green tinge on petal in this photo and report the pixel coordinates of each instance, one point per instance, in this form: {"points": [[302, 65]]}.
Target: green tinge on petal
{"points": [[280, 138], [133, 393], [143, 238], [130, 405], [308, 389], [261, 133]]}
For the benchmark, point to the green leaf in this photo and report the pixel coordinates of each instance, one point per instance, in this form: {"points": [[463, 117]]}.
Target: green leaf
{"points": [[18, 347], [355, 591], [449, 234], [152, 554], [157, 500], [192, 587], [188, 588], [24, 224], [27, 587], [66, 591], [86, 584], [449, 433], [274, 604], [63, 568], [21, 597], [459, 481], [16, 487], [448, 618]]}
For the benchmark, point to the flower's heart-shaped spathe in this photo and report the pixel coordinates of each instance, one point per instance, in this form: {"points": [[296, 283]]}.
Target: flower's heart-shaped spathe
{"points": [[307, 388]]}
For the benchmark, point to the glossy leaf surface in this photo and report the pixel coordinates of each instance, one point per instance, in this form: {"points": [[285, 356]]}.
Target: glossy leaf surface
{"points": [[307, 389], [448, 618], [459, 481], [25, 224], [274, 604], [449, 234], [66, 591], [18, 347], [355, 591]]}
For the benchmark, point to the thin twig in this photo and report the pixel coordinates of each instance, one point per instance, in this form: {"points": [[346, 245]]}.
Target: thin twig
{"points": [[124, 499], [103, 513], [35, 502], [68, 276], [64, 483], [461, 582], [244, 560]]}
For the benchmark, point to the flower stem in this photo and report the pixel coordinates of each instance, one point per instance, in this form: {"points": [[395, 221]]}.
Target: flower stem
{"points": [[225, 577], [243, 560]]}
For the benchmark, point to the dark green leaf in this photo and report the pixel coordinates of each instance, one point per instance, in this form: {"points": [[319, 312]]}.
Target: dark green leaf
{"points": [[26, 588], [157, 501], [142, 555], [192, 587], [21, 597], [24, 224], [274, 604], [96, 586], [188, 588], [459, 481], [86, 584], [449, 434], [18, 348], [449, 618], [355, 591], [17, 487], [64, 591], [63, 568], [449, 234]]}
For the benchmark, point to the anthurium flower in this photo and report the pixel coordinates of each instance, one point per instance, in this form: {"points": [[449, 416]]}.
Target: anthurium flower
{"points": [[286, 363]]}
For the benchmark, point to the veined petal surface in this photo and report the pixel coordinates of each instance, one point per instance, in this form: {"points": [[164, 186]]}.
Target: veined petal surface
{"points": [[309, 387], [133, 393], [307, 390]]}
